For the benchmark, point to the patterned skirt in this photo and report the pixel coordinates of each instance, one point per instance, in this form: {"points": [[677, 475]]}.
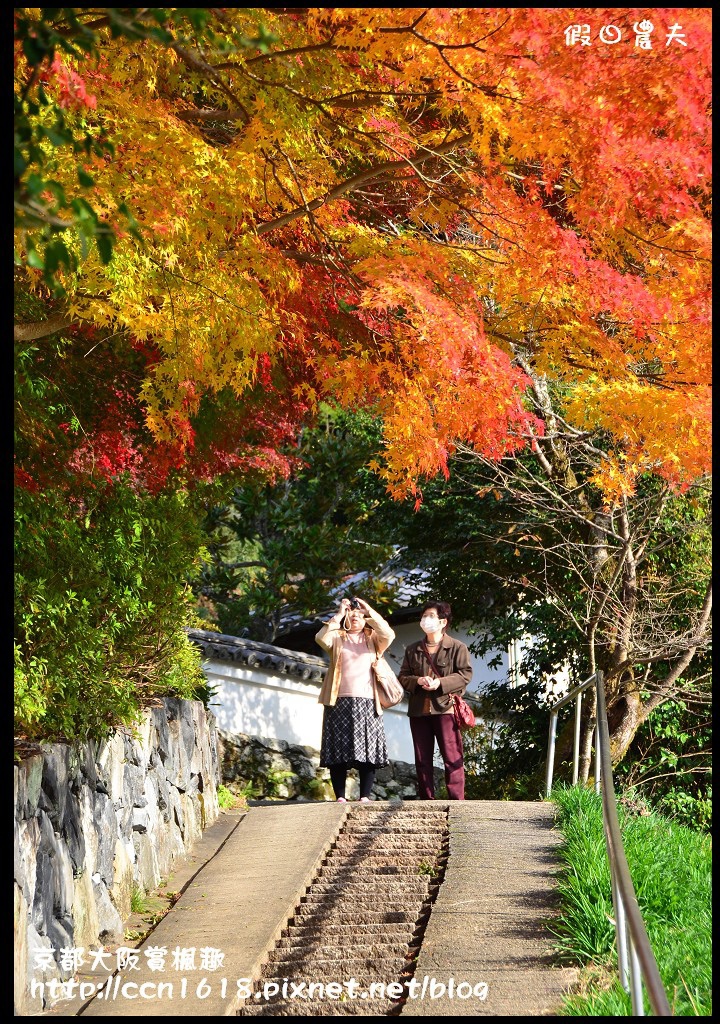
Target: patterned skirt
{"points": [[353, 734]]}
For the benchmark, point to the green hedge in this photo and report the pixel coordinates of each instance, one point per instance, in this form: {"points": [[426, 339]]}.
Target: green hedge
{"points": [[102, 600]]}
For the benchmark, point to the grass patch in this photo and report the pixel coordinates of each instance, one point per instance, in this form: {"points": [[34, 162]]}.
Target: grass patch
{"points": [[229, 800], [670, 866], [138, 900]]}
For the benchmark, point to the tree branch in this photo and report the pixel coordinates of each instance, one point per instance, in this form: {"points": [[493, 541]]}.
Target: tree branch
{"points": [[41, 329], [352, 183]]}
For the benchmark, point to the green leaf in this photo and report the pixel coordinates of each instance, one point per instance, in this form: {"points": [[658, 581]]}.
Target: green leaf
{"points": [[83, 210], [104, 240], [84, 178], [33, 51], [34, 259], [20, 163]]}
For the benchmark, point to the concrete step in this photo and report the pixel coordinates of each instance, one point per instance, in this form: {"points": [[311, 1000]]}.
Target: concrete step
{"points": [[382, 872], [380, 860], [363, 948], [350, 938], [321, 1008], [382, 840], [344, 943], [397, 828], [341, 910], [338, 932], [311, 915], [369, 887], [324, 969]]}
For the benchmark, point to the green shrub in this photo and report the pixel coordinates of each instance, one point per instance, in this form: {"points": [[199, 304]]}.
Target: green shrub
{"points": [[102, 600]]}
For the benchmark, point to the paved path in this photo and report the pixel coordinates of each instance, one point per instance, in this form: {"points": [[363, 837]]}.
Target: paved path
{"points": [[487, 926], [238, 904]]}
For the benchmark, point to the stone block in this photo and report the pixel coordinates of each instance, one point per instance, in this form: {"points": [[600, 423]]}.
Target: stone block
{"points": [[140, 819], [55, 779], [281, 746], [31, 771], [106, 831], [63, 883], [176, 846], [123, 881], [21, 954], [28, 843], [147, 870], [164, 852], [134, 784], [110, 927], [142, 744], [43, 896], [89, 768], [73, 832], [162, 735], [163, 795], [36, 942], [60, 932], [110, 761], [84, 912]]}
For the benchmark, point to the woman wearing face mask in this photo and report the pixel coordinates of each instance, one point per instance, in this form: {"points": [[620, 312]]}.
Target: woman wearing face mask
{"points": [[433, 669], [353, 735]]}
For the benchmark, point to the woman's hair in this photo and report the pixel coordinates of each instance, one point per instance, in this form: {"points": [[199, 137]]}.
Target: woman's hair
{"points": [[443, 609]]}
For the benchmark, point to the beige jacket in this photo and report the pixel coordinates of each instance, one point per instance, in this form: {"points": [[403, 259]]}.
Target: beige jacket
{"points": [[331, 637]]}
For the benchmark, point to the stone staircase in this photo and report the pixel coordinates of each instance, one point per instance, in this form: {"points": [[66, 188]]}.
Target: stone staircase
{"points": [[361, 921]]}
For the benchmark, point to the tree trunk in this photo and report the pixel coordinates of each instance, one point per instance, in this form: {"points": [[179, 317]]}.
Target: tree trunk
{"points": [[586, 739], [41, 329]]}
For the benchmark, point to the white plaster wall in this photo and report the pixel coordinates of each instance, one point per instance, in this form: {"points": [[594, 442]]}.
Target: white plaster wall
{"points": [[482, 673], [259, 703]]}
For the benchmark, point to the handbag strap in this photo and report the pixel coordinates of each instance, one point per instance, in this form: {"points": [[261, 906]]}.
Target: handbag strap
{"points": [[431, 658], [456, 698]]}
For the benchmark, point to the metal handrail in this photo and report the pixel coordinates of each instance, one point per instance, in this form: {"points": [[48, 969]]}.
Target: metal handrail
{"points": [[576, 695], [632, 940]]}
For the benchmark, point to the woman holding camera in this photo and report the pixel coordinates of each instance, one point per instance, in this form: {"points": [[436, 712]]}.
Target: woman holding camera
{"points": [[353, 735]]}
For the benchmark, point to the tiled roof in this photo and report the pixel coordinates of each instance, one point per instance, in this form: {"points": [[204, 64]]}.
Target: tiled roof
{"points": [[408, 585], [221, 647]]}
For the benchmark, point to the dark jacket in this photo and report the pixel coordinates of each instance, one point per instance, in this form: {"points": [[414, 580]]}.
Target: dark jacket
{"points": [[454, 668]]}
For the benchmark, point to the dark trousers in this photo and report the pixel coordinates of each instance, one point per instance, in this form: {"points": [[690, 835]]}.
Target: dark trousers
{"points": [[338, 777], [425, 730]]}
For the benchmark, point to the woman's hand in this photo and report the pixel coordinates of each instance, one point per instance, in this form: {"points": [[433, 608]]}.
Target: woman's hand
{"points": [[428, 683], [342, 611]]}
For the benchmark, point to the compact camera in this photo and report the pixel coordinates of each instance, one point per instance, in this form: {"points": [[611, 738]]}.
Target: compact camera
{"points": [[354, 603]]}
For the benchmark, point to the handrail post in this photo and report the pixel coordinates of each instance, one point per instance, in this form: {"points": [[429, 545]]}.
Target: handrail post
{"points": [[636, 993], [597, 758], [576, 743], [551, 753], [621, 936]]}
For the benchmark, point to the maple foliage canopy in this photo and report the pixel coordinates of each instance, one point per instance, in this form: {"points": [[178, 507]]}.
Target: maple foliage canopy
{"points": [[401, 208]]}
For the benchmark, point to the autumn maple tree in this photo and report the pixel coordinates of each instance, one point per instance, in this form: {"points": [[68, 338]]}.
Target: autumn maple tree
{"points": [[425, 212]]}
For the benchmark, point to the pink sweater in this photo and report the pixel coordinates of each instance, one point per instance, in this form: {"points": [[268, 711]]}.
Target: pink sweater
{"points": [[355, 668]]}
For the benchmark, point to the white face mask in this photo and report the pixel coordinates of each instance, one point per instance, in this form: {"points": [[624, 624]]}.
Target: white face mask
{"points": [[430, 624]]}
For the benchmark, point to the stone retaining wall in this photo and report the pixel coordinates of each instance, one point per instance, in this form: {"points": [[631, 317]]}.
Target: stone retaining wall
{"points": [[94, 821], [276, 768]]}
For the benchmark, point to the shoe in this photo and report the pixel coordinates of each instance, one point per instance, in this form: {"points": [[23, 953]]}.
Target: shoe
{"points": [[365, 800], [341, 800]]}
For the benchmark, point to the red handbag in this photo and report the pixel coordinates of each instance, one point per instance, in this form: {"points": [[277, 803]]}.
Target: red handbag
{"points": [[461, 709], [463, 712]]}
